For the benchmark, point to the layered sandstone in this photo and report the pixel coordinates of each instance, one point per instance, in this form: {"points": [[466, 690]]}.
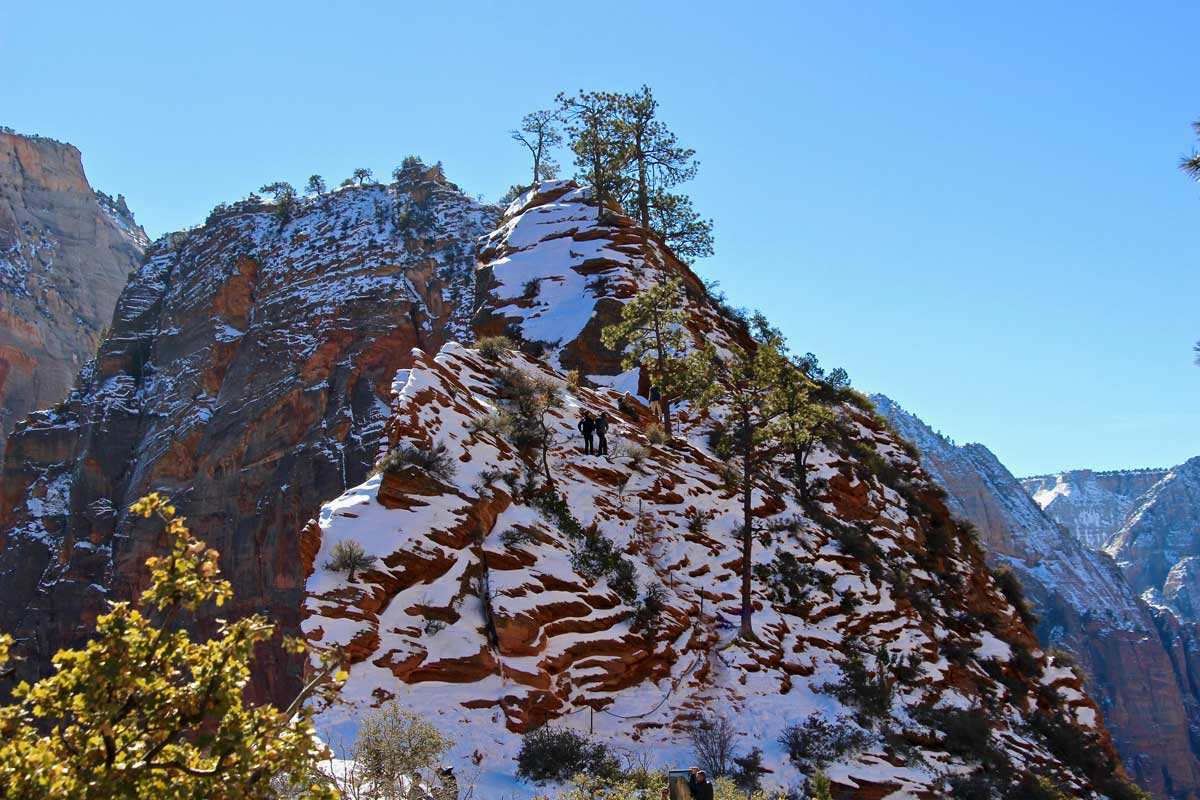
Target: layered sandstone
{"points": [[65, 254], [247, 375], [482, 611]]}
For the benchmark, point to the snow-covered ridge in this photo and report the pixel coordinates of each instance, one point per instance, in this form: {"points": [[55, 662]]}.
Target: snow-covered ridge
{"points": [[476, 615], [556, 270]]}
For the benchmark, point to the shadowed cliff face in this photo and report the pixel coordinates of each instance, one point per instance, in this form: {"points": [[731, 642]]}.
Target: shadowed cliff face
{"points": [[1134, 657], [65, 254], [247, 376]]}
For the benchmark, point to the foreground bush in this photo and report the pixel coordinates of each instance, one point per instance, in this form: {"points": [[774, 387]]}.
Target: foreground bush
{"points": [[394, 744], [142, 711]]}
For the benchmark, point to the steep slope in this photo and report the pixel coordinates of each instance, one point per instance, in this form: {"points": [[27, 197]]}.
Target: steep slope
{"points": [[499, 602], [1161, 532], [1091, 505], [1085, 606], [247, 375], [65, 253]]}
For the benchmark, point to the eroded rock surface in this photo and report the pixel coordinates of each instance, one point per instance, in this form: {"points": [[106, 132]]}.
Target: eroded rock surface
{"points": [[65, 254], [247, 375]]}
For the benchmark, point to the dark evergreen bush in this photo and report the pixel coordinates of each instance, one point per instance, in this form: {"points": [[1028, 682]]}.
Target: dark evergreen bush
{"points": [[817, 741], [553, 754]]}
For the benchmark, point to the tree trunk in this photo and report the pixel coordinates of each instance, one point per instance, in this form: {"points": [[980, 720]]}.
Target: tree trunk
{"points": [[663, 400], [801, 472], [643, 192], [747, 539]]}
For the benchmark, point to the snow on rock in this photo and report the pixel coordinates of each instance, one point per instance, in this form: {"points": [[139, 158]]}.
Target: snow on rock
{"points": [[247, 374], [477, 615]]}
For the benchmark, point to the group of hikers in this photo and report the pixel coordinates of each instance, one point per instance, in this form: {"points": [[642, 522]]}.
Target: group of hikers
{"points": [[692, 785], [595, 428]]}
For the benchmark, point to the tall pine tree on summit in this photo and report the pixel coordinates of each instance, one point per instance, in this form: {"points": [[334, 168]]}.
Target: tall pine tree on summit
{"points": [[631, 158]]}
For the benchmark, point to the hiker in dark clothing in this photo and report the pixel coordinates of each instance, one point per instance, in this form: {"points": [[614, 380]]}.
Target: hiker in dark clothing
{"points": [[587, 426], [656, 401], [601, 430], [701, 788], [626, 406]]}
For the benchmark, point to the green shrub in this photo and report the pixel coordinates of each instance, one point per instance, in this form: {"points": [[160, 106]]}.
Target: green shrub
{"points": [[393, 744], [596, 557], [1014, 593], [787, 581], [966, 732], [867, 689], [493, 347], [553, 754], [817, 741], [697, 521], [516, 537], [436, 461], [648, 613]]}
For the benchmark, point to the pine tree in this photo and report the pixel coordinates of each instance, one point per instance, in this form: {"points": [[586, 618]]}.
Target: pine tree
{"points": [[655, 163], [285, 198], [144, 711], [539, 133], [751, 435], [652, 334], [600, 148], [316, 185], [362, 175]]}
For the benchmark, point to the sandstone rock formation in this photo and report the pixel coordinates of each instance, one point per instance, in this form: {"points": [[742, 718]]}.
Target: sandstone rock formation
{"points": [[247, 375], [1136, 666], [486, 611], [65, 254]]}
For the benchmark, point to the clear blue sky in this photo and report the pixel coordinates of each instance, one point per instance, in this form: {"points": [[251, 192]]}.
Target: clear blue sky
{"points": [[975, 212]]}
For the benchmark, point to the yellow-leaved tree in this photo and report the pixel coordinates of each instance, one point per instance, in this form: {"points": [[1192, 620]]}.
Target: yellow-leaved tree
{"points": [[143, 711]]}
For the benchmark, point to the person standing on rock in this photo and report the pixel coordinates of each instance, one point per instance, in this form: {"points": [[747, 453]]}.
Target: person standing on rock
{"points": [[587, 426], [701, 788], [626, 406], [656, 401], [601, 434]]}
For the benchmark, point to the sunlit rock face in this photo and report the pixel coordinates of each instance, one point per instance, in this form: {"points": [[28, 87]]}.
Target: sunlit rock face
{"points": [[1085, 605], [65, 254]]}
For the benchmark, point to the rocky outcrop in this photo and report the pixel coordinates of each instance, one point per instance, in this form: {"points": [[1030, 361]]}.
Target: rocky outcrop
{"points": [[65, 254], [247, 375], [607, 598], [1142, 680], [1161, 530], [1091, 505]]}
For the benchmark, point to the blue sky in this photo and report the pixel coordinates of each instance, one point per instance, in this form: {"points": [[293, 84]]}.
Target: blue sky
{"points": [[977, 212]]}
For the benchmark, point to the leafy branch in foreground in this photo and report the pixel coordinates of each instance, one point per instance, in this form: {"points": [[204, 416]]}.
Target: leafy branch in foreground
{"points": [[143, 711]]}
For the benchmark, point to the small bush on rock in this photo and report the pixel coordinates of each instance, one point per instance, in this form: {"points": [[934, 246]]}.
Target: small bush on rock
{"points": [[818, 741], [553, 754], [493, 347], [349, 556], [437, 461], [657, 435]]}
